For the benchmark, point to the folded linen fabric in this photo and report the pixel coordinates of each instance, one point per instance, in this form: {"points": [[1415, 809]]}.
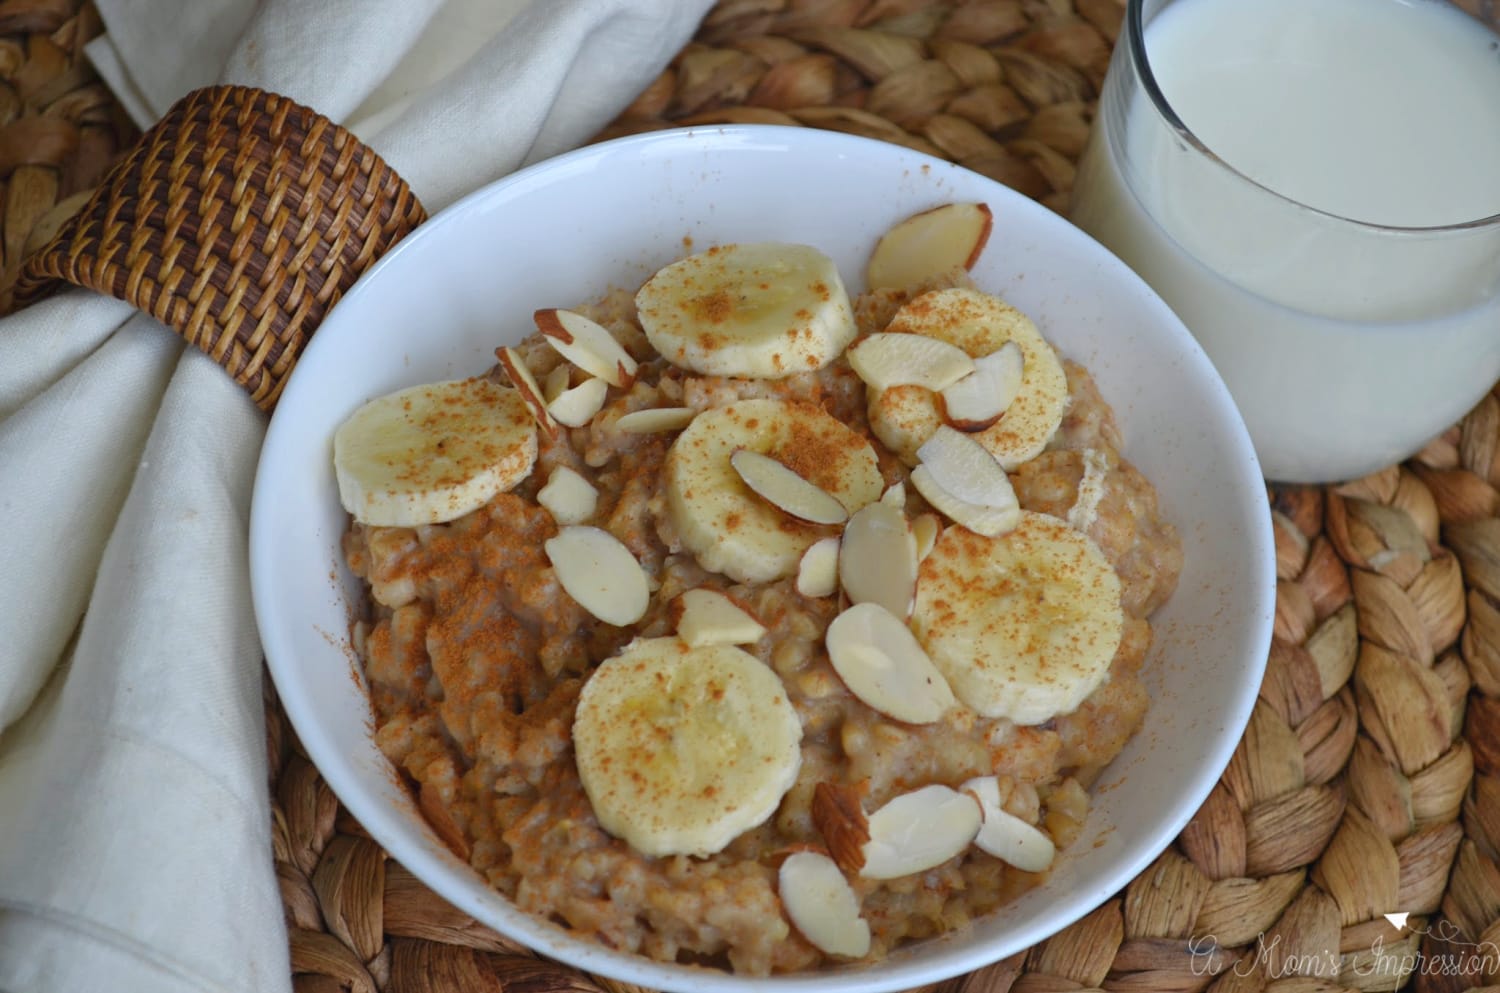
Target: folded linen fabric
{"points": [[134, 822]]}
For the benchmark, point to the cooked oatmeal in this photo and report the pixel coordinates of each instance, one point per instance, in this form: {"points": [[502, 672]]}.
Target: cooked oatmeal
{"points": [[475, 657]]}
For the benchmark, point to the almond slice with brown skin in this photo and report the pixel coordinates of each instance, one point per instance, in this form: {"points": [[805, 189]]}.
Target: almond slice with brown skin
{"points": [[822, 905], [587, 344], [884, 665], [982, 397], [839, 815], [708, 617], [526, 385], [600, 573], [655, 420], [776, 484], [919, 830], [1004, 835], [818, 569], [878, 559], [883, 360], [577, 406], [929, 243]]}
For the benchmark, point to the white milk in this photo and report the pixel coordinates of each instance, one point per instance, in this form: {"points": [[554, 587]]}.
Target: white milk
{"points": [[1346, 346]]}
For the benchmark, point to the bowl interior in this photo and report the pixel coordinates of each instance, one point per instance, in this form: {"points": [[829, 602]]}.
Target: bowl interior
{"points": [[561, 233]]}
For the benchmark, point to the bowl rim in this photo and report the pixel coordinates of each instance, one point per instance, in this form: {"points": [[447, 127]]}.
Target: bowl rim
{"points": [[891, 974]]}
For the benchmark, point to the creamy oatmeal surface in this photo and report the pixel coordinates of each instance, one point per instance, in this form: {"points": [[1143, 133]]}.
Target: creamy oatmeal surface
{"points": [[476, 657]]}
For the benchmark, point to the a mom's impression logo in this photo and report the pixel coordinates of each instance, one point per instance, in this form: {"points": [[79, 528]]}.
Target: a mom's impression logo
{"points": [[1450, 955]]}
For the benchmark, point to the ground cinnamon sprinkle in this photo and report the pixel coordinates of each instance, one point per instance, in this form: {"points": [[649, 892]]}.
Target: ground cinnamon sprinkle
{"points": [[714, 308], [818, 456]]}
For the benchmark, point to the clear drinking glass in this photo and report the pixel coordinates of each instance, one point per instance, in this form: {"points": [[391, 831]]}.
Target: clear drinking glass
{"points": [[1346, 345]]}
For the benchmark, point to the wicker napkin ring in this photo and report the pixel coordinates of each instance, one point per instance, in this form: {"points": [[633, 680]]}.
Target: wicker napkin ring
{"points": [[238, 219]]}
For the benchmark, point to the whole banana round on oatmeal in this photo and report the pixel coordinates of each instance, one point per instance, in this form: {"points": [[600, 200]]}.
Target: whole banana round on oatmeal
{"points": [[904, 416], [682, 749], [758, 310], [728, 527], [1023, 625], [432, 453]]}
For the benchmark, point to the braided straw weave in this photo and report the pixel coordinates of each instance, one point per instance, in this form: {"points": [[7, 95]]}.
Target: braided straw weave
{"points": [[238, 219], [60, 128], [1369, 777]]}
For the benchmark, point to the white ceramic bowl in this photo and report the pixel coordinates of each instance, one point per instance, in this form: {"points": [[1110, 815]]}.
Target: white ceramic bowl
{"points": [[562, 232]]}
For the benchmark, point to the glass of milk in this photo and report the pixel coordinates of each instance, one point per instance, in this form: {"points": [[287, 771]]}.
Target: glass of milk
{"points": [[1314, 187]]}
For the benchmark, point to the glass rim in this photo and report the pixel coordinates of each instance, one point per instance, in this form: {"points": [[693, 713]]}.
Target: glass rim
{"points": [[1135, 28]]}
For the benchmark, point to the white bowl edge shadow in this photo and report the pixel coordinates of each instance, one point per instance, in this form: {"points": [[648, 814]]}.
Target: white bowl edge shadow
{"points": [[434, 308]]}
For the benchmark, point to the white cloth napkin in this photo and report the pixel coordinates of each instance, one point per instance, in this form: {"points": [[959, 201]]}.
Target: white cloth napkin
{"points": [[134, 819]]}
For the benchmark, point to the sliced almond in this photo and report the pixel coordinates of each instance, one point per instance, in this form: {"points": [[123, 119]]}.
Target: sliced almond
{"points": [[894, 495], [525, 384], [587, 344], [569, 497], [965, 468], [557, 380], [925, 529], [600, 573], [884, 665], [929, 243], [1006, 836], [577, 406], [708, 617], [776, 484], [818, 571], [822, 905], [980, 398], [981, 519], [919, 830], [655, 420], [840, 818], [878, 559], [884, 360]]}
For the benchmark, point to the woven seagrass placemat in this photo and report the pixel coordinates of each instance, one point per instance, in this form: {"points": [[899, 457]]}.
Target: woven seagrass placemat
{"points": [[1369, 778]]}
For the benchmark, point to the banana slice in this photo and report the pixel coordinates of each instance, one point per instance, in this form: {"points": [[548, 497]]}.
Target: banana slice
{"points": [[980, 324], [1023, 625], [432, 453], [722, 522], [759, 310], [680, 749]]}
